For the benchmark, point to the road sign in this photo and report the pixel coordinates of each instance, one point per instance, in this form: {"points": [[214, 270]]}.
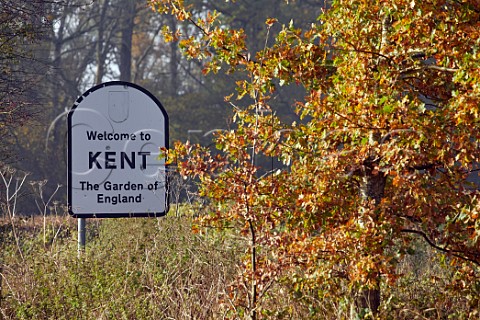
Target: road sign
{"points": [[115, 132]]}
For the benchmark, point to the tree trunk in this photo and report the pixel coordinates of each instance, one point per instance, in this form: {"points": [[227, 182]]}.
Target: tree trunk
{"points": [[126, 45], [58, 42], [101, 52], [372, 188], [368, 299], [1, 279], [174, 61]]}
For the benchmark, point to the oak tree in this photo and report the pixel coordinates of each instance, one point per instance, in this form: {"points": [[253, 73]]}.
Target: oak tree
{"points": [[385, 152]]}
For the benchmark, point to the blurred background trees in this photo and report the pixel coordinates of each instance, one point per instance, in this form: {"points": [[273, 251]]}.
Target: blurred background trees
{"points": [[62, 48], [22, 26]]}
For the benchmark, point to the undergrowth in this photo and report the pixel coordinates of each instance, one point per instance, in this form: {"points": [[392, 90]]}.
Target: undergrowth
{"points": [[160, 269], [131, 269]]}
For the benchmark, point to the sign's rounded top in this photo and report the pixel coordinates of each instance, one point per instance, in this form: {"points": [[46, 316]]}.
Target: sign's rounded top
{"points": [[123, 84]]}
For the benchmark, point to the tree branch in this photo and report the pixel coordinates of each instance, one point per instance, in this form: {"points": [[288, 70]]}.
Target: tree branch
{"points": [[454, 253], [425, 67]]}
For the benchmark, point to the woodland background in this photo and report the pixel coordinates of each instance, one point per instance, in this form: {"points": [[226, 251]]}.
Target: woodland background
{"points": [[68, 46]]}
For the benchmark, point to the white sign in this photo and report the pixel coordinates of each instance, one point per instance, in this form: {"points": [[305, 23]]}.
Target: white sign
{"points": [[115, 132]]}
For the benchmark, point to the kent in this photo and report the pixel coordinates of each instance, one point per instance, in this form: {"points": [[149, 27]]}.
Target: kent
{"points": [[113, 159]]}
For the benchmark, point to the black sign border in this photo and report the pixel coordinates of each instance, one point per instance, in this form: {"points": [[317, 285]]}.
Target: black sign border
{"points": [[69, 159]]}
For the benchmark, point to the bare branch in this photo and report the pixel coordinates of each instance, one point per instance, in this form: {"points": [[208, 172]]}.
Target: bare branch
{"points": [[455, 253]]}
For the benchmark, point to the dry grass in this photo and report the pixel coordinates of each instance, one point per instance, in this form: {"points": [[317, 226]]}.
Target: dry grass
{"points": [[131, 269], [159, 269]]}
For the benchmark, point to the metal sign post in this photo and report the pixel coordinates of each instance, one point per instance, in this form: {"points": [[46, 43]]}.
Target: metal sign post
{"points": [[82, 235]]}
